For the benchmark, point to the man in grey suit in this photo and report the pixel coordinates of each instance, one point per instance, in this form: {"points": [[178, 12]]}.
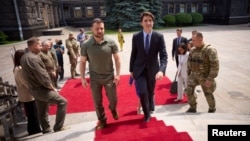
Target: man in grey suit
{"points": [[145, 65]]}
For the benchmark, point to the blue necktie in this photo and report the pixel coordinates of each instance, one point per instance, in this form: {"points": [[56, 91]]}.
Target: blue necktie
{"points": [[147, 43]]}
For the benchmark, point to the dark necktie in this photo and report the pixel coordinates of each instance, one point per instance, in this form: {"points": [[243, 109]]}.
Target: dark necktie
{"points": [[147, 43], [179, 40]]}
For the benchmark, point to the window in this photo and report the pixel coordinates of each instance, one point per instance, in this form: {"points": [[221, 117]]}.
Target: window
{"points": [[78, 12], [89, 11], [214, 9], [205, 8], [38, 11], [66, 12], [182, 8], [193, 7], [102, 11], [60, 12], [171, 9]]}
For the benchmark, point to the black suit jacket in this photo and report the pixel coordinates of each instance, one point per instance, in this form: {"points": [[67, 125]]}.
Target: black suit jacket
{"points": [[175, 45], [139, 59]]}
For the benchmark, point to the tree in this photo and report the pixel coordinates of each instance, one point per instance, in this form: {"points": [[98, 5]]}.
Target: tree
{"points": [[126, 14]]}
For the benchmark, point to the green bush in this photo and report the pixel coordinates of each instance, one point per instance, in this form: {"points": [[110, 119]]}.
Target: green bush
{"points": [[169, 20], [3, 38], [197, 18], [183, 19]]}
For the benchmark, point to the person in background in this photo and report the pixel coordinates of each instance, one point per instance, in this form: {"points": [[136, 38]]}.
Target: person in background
{"points": [[41, 87], [59, 53], [55, 61], [48, 59], [81, 37], [202, 69], [148, 62], [179, 39], [25, 97], [182, 71], [120, 38], [189, 45], [73, 52], [100, 51], [131, 81], [193, 33]]}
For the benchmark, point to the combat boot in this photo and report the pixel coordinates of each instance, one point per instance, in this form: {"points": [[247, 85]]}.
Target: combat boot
{"points": [[211, 110], [191, 110], [72, 74], [77, 74], [101, 124]]}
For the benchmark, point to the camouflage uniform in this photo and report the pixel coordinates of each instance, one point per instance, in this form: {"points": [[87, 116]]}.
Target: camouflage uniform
{"points": [[73, 52], [49, 60], [203, 64]]}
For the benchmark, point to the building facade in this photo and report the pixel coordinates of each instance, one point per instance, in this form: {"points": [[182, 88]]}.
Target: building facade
{"points": [[21, 19]]}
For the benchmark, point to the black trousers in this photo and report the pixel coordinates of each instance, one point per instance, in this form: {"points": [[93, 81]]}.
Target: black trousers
{"points": [[33, 125], [146, 85], [61, 72], [176, 60]]}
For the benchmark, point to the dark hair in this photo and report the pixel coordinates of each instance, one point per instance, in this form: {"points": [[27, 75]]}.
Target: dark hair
{"points": [[183, 46], [81, 29], [59, 42], [17, 57], [143, 14], [179, 29], [194, 31], [97, 20]]}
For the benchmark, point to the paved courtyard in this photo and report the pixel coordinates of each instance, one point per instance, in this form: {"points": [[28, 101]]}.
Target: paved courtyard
{"points": [[232, 94]]}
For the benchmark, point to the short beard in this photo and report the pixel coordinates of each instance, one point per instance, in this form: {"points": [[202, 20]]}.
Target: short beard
{"points": [[99, 36]]}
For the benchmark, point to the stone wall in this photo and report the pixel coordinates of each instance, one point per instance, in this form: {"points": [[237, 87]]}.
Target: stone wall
{"points": [[34, 16]]}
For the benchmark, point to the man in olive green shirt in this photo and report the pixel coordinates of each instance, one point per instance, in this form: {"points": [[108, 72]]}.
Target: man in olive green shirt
{"points": [[99, 50], [49, 60], [41, 87]]}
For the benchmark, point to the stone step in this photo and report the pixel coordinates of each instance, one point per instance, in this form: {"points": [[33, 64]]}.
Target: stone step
{"points": [[194, 124]]}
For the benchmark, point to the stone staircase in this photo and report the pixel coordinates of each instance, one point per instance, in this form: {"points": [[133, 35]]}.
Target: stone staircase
{"points": [[169, 125]]}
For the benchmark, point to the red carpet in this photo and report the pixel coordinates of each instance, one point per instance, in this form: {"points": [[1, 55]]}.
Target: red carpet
{"points": [[130, 126], [80, 99]]}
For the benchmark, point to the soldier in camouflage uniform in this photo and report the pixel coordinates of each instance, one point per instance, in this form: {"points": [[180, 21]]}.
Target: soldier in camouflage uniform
{"points": [[203, 68], [73, 52]]}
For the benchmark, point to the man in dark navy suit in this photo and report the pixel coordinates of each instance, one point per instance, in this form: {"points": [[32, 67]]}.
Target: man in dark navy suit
{"points": [[148, 62], [176, 42]]}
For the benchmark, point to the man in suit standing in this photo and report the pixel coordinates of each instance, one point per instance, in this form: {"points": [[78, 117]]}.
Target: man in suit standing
{"points": [[179, 39], [145, 66]]}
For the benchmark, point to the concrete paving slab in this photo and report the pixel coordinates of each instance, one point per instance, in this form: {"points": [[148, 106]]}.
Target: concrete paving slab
{"points": [[232, 94]]}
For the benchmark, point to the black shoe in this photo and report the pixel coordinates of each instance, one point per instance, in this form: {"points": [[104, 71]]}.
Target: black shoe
{"points": [[47, 131], [147, 119], [101, 125], [60, 79], [191, 110], [115, 115], [36, 132], [77, 74], [61, 129], [151, 112], [211, 110]]}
